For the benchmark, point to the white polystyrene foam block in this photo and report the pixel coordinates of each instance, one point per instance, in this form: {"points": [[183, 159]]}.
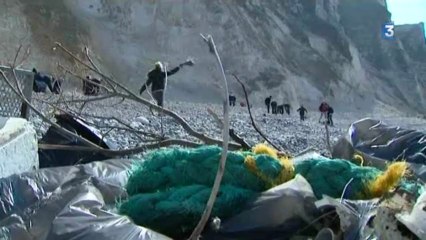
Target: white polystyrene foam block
{"points": [[18, 146], [416, 219]]}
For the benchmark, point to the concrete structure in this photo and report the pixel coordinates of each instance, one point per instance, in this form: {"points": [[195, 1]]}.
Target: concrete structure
{"points": [[18, 146]]}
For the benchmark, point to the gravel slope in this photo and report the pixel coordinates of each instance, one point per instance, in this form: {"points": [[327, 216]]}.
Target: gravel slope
{"points": [[285, 131]]}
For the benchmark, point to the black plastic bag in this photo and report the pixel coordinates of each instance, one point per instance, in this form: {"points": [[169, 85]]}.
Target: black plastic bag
{"points": [[379, 143], [55, 158]]}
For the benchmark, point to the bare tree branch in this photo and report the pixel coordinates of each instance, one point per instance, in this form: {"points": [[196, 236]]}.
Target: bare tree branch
{"points": [[86, 51], [124, 152], [251, 116], [91, 146], [84, 79], [221, 168], [25, 57], [127, 126], [130, 95], [327, 138], [239, 139], [84, 103], [94, 99], [215, 117], [96, 67], [21, 95], [16, 55], [232, 133], [126, 95], [27, 53]]}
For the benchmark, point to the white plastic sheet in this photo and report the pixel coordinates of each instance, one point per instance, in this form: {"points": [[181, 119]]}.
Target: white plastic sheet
{"points": [[75, 202]]}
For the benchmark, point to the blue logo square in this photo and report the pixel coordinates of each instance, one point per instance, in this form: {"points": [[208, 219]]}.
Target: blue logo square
{"points": [[388, 31]]}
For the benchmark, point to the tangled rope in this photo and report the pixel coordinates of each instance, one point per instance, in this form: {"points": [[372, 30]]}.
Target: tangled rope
{"points": [[169, 189]]}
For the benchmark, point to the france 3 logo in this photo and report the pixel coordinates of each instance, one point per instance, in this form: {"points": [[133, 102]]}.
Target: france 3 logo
{"points": [[388, 31]]}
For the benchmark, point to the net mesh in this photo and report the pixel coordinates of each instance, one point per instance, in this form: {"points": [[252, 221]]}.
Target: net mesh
{"points": [[10, 104], [169, 189]]}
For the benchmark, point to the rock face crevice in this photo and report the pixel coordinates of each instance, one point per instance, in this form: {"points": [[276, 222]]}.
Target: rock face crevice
{"points": [[299, 51]]}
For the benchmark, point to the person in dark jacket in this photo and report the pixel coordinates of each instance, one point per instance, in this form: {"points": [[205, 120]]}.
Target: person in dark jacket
{"points": [[330, 116], [268, 102], [280, 109], [232, 100], [287, 108], [41, 82], [302, 111], [323, 108], [157, 80], [274, 105]]}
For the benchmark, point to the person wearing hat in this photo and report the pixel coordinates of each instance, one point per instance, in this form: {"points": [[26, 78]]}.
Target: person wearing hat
{"points": [[157, 80]]}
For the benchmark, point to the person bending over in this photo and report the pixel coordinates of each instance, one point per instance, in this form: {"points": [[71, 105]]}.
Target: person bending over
{"points": [[41, 82], [287, 108]]}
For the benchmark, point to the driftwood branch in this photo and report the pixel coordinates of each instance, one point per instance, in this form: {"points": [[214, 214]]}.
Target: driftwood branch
{"points": [[16, 55], [16, 88], [124, 152], [86, 50], [327, 138], [131, 96], [27, 53], [251, 116], [232, 133], [86, 80], [126, 127], [94, 147], [215, 117], [84, 102], [18, 91], [221, 169], [92, 99], [239, 139], [126, 94], [90, 146]]}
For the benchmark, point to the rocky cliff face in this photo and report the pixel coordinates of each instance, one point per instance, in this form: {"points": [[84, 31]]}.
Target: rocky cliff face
{"points": [[299, 51]]}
